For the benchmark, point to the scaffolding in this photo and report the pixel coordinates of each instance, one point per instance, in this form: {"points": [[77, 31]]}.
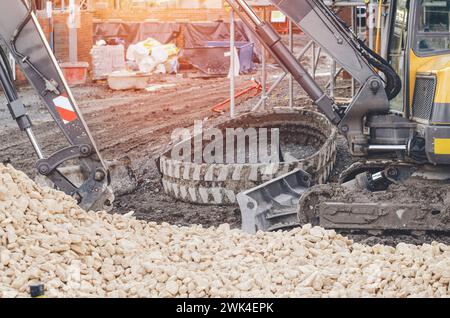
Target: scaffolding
{"points": [[356, 25]]}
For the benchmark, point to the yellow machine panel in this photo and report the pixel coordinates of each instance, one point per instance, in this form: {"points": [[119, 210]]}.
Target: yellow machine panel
{"points": [[442, 146], [438, 65]]}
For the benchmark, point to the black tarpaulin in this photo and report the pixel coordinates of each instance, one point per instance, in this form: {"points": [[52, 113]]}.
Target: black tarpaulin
{"points": [[198, 33], [133, 32], [196, 36], [214, 57]]}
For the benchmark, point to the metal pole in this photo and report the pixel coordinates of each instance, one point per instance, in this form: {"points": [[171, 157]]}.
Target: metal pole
{"points": [[333, 78], [73, 45], [49, 7], [291, 79], [251, 14], [313, 70], [379, 17], [316, 64], [11, 95], [12, 62], [73, 36], [281, 78], [383, 32], [387, 147], [271, 89], [232, 64], [370, 24], [34, 143], [264, 70], [355, 30], [338, 71]]}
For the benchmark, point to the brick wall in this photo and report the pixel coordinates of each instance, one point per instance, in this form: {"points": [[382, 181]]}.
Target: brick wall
{"points": [[61, 35]]}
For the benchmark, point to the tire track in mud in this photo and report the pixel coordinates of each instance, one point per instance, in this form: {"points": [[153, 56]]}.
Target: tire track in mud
{"points": [[138, 125], [148, 121], [133, 121]]}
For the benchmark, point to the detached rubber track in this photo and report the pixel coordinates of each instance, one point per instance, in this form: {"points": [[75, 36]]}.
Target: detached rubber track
{"points": [[218, 184]]}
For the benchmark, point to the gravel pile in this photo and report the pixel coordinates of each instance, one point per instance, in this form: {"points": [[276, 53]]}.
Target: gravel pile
{"points": [[45, 237]]}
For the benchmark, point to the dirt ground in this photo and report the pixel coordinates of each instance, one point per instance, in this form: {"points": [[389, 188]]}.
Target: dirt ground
{"points": [[138, 125], [134, 124]]}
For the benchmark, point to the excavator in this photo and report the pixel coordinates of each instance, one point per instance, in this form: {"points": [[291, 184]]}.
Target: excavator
{"points": [[398, 123]]}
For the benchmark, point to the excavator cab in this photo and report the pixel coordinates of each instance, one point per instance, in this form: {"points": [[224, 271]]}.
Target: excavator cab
{"points": [[397, 55], [419, 51]]}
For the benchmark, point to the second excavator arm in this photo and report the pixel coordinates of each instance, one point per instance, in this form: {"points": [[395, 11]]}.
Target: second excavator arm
{"points": [[324, 27], [22, 35]]}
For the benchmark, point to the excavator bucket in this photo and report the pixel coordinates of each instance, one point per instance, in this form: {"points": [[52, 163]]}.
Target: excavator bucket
{"points": [[273, 206], [122, 180]]}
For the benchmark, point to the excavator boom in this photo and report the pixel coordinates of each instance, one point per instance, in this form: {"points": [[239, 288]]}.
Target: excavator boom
{"points": [[322, 25], [24, 39]]}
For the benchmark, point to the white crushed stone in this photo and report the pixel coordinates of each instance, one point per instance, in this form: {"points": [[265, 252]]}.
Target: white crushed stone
{"points": [[45, 237]]}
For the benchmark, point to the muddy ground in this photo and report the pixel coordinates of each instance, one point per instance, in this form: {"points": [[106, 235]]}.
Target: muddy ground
{"points": [[134, 124], [138, 125]]}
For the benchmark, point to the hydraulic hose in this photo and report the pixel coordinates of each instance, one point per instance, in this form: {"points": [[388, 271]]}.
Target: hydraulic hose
{"points": [[5, 62], [393, 80]]}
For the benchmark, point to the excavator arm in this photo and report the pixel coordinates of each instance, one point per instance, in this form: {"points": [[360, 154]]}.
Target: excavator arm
{"points": [[22, 35], [325, 28], [286, 201]]}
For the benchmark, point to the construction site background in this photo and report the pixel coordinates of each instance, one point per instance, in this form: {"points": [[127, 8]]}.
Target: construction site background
{"points": [[103, 11]]}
